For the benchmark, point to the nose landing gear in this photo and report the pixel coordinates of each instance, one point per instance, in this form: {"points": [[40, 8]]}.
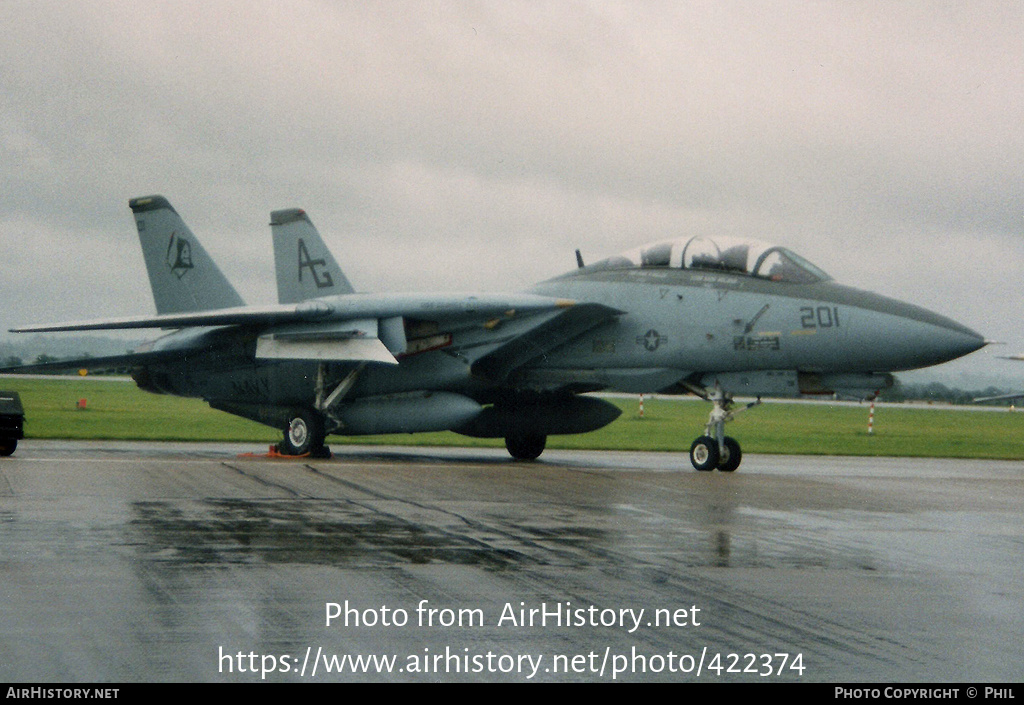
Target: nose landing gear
{"points": [[715, 449], [707, 453]]}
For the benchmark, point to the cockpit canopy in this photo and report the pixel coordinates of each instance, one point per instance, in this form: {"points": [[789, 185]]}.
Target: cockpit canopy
{"points": [[720, 254]]}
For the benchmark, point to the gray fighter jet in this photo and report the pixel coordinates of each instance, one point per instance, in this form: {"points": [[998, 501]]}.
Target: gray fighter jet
{"points": [[713, 316]]}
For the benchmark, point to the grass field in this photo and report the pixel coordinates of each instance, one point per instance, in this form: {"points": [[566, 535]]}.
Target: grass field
{"points": [[116, 409]]}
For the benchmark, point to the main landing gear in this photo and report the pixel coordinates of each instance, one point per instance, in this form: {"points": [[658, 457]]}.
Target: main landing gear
{"points": [[8, 446], [305, 430], [525, 446], [715, 449], [305, 435]]}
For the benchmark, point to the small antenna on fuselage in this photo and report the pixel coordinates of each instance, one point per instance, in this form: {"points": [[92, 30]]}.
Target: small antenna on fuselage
{"points": [[579, 259]]}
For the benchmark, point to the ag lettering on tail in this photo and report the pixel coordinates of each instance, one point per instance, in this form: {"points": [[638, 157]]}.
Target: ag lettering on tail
{"points": [[306, 269]]}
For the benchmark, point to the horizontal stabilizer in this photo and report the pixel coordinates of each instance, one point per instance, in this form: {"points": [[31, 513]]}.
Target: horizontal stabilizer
{"points": [[95, 364]]}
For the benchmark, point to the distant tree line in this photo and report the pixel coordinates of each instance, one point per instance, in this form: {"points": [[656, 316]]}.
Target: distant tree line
{"points": [[938, 392], [15, 361]]}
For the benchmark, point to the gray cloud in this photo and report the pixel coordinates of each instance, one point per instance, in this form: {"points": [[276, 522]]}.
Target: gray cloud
{"points": [[463, 145]]}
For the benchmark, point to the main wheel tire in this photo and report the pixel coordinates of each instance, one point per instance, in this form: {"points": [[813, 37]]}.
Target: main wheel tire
{"points": [[526, 446], [304, 434], [730, 459], [8, 446], [704, 454]]}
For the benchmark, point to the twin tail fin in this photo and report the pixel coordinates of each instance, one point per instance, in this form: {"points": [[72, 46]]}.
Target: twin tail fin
{"points": [[184, 278], [306, 269]]}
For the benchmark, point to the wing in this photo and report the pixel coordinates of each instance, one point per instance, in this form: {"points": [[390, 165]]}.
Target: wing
{"points": [[540, 338], [330, 309], [507, 330]]}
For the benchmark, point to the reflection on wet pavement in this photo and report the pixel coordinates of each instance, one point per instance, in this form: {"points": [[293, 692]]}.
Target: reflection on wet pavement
{"points": [[139, 566]]}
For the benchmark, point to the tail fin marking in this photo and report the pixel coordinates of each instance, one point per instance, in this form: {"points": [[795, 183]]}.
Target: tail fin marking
{"points": [[183, 277], [305, 268]]}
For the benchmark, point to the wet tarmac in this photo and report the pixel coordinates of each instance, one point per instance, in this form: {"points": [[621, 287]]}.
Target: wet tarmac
{"points": [[134, 562]]}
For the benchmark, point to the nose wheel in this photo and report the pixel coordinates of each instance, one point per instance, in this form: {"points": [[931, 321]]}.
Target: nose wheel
{"points": [[707, 454], [715, 449], [704, 454]]}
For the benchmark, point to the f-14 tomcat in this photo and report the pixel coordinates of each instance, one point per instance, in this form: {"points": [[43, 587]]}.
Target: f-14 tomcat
{"points": [[711, 316]]}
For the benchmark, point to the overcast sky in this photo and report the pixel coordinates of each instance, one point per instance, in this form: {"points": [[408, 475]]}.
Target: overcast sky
{"points": [[474, 145]]}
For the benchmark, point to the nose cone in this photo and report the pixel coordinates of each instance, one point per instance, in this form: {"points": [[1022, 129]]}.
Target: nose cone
{"points": [[885, 334], [917, 337], [948, 341]]}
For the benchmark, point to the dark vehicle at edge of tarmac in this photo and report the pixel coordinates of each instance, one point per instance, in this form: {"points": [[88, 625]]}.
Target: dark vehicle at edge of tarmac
{"points": [[12, 422]]}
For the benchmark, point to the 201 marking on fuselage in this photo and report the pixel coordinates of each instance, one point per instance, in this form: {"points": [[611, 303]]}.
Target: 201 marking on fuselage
{"points": [[820, 317]]}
